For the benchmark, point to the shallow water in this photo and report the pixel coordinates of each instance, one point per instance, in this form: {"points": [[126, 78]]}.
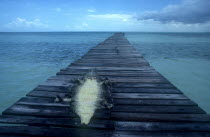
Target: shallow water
{"points": [[183, 58], [27, 59]]}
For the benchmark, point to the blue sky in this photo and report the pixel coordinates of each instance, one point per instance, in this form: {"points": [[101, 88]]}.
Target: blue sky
{"points": [[105, 15]]}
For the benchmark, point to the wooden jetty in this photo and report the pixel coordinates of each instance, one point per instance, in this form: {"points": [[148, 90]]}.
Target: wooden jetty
{"points": [[145, 103]]}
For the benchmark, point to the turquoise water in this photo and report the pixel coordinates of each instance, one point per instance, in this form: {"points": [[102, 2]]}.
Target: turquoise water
{"points": [[27, 59], [183, 58]]}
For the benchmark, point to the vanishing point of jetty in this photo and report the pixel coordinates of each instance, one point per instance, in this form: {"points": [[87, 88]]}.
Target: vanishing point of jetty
{"points": [[144, 103]]}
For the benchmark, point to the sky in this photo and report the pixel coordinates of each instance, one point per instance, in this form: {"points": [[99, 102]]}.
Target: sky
{"points": [[105, 15]]}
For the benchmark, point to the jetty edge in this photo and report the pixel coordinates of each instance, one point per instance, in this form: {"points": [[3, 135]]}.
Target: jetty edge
{"points": [[146, 104]]}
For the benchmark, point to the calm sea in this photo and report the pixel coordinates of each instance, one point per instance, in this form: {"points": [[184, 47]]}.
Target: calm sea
{"points": [[27, 59]]}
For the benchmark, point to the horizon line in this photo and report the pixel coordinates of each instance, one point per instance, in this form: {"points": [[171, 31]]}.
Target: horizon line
{"points": [[108, 31]]}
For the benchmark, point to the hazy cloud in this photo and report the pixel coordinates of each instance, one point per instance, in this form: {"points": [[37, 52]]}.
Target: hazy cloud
{"points": [[24, 23], [58, 9], [91, 10], [188, 12], [122, 17], [83, 26]]}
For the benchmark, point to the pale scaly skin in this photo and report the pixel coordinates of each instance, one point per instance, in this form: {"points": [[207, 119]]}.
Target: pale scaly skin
{"points": [[87, 98]]}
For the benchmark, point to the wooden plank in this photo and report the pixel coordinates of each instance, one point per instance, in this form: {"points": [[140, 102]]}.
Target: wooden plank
{"points": [[148, 96], [51, 132], [112, 54], [138, 79], [101, 50], [56, 122], [148, 102], [106, 48], [101, 53], [118, 57], [154, 102], [109, 64], [158, 109], [106, 59], [38, 101], [50, 111], [98, 48], [112, 60], [111, 77], [111, 68], [112, 57], [159, 134], [57, 83], [113, 74], [51, 88], [105, 71], [161, 126], [146, 90], [144, 85], [131, 116], [46, 94], [53, 94], [116, 79]]}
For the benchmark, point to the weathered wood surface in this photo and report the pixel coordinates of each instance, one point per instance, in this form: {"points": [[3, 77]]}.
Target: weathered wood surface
{"points": [[145, 103]]}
